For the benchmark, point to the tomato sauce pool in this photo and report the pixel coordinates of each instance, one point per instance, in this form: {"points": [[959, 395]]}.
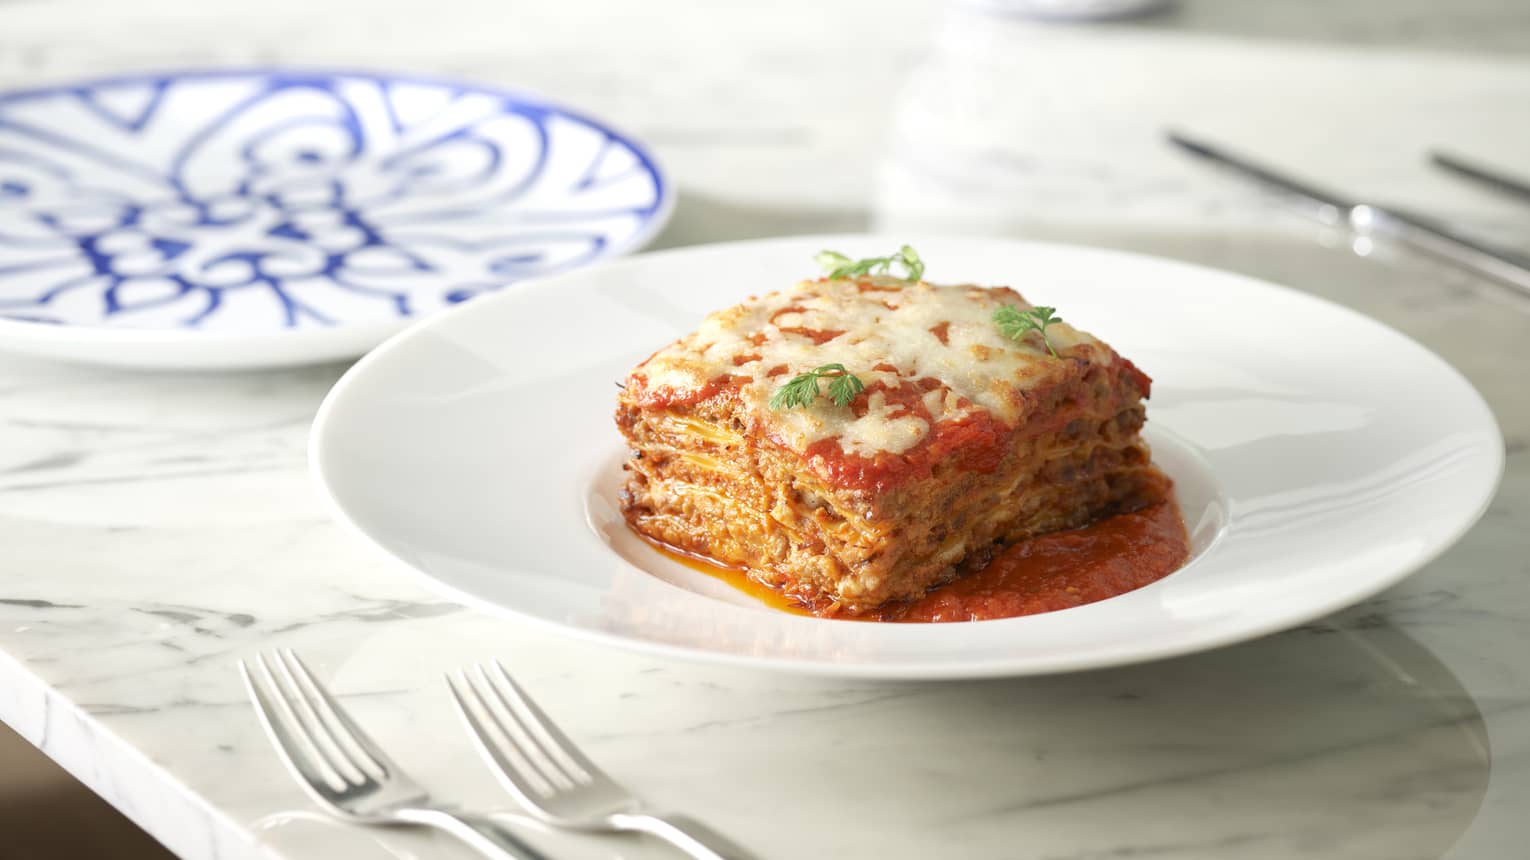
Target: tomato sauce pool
{"points": [[1056, 571], [1064, 569]]}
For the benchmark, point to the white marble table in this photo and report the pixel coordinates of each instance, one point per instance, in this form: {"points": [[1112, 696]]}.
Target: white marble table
{"points": [[155, 528]]}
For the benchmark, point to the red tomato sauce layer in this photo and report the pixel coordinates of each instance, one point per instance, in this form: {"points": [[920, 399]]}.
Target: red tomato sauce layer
{"points": [[1061, 570]]}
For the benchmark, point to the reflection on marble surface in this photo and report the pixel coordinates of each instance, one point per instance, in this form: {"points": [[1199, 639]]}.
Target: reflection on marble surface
{"points": [[1011, 126]]}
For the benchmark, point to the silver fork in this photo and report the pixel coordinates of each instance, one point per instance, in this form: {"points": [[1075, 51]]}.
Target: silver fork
{"points": [[343, 770], [556, 782]]}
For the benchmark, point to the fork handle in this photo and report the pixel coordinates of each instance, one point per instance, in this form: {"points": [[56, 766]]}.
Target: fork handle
{"points": [[481, 834], [685, 833]]}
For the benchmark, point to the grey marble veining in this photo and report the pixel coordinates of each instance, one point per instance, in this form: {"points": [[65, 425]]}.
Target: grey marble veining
{"points": [[155, 528]]}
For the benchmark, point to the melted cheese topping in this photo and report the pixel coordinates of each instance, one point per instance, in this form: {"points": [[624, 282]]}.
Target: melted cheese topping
{"points": [[882, 428], [920, 331]]}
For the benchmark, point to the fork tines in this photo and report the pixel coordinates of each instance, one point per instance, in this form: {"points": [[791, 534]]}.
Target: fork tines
{"points": [[321, 743], [534, 754]]}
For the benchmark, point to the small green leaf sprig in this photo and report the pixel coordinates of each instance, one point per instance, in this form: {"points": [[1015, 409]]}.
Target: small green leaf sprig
{"points": [[839, 266], [1015, 323], [802, 390]]}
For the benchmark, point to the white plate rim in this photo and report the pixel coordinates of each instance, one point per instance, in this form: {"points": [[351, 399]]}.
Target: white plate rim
{"points": [[1338, 600]]}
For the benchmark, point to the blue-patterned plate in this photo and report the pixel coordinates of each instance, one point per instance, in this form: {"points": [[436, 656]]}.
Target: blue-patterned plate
{"points": [[245, 218]]}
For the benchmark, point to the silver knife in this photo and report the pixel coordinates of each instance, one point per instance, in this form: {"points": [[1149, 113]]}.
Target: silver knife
{"points": [[1371, 220], [1485, 175]]}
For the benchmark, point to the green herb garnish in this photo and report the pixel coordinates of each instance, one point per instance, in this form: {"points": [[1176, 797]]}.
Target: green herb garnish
{"points": [[840, 266], [1015, 323], [803, 388]]}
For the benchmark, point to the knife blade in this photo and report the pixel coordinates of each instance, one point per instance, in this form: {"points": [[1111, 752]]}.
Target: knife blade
{"points": [[1369, 219], [1484, 175]]}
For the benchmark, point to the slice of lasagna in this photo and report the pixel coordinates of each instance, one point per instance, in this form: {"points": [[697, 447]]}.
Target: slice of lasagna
{"points": [[958, 436]]}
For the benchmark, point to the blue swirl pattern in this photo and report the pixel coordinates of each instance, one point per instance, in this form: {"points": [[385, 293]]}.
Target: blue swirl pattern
{"points": [[270, 200]]}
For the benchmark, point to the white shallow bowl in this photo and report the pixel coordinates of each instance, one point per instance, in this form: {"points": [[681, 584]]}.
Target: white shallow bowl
{"points": [[1319, 458], [260, 217]]}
